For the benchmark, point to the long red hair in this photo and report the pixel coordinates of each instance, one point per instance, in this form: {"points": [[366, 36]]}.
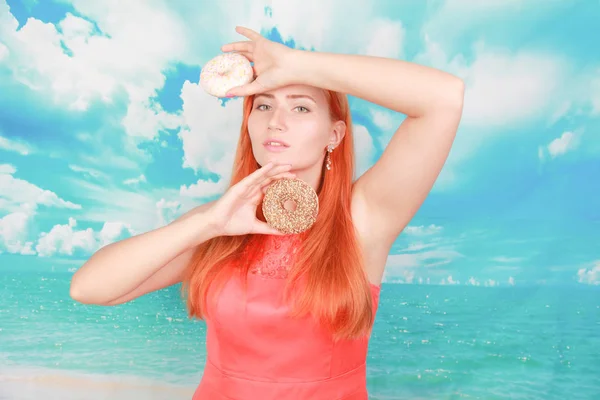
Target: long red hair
{"points": [[328, 267]]}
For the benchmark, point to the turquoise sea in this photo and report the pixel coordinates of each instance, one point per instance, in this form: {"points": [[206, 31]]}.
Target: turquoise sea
{"points": [[429, 342]]}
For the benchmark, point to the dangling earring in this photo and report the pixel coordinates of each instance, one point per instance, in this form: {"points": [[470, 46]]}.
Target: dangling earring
{"points": [[329, 150]]}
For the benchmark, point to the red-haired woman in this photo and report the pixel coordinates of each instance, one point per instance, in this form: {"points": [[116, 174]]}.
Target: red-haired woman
{"points": [[289, 316]]}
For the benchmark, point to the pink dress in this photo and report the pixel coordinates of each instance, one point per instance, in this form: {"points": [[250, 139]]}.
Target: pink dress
{"points": [[256, 351]]}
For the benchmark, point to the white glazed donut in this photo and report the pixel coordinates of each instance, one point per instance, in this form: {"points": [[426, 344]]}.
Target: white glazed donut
{"points": [[225, 72]]}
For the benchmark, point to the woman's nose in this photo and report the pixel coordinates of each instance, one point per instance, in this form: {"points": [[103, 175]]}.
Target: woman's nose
{"points": [[276, 121]]}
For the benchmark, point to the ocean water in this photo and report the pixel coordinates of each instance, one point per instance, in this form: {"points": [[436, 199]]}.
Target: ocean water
{"points": [[429, 342]]}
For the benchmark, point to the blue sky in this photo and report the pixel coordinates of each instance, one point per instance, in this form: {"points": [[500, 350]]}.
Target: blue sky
{"points": [[105, 132]]}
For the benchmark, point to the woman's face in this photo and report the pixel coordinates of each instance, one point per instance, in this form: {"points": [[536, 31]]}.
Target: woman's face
{"points": [[297, 116]]}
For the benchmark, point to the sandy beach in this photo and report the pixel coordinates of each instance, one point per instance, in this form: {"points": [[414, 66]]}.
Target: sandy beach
{"points": [[30, 384]]}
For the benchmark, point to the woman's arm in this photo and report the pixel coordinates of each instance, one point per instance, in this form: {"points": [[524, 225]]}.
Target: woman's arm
{"points": [[411, 89], [127, 269], [393, 189]]}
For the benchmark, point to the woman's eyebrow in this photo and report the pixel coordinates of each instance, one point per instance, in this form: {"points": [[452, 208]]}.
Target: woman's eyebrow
{"points": [[289, 96]]}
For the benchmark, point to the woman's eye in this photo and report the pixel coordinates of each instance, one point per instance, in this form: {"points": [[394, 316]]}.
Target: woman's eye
{"points": [[261, 107]]}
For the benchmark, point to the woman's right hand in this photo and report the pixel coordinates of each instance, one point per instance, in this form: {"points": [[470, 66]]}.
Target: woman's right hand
{"points": [[235, 212]]}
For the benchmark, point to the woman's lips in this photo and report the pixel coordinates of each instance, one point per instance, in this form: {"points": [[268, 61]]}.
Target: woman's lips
{"points": [[275, 149]]}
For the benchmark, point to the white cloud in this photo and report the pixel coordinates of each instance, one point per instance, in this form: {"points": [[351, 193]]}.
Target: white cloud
{"points": [[431, 258], [140, 41], [589, 276], [39, 62], [541, 153], [449, 281], [363, 149], [66, 240], [18, 192], [384, 119], [505, 259], [17, 146], [487, 283], [473, 282], [135, 181], [423, 230], [132, 56], [141, 210], [318, 24], [386, 38], [63, 239], [418, 261], [88, 171], [135, 208], [408, 277], [490, 283], [14, 226], [113, 232], [14, 230], [561, 145], [4, 52], [131, 160], [145, 118], [504, 89], [581, 95], [416, 246], [167, 211], [401, 266], [211, 131], [476, 16], [204, 188], [435, 56], [7, 169], [595, 93]]}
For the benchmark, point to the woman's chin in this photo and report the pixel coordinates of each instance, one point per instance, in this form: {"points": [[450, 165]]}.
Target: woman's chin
{"points": [[278, 159]]}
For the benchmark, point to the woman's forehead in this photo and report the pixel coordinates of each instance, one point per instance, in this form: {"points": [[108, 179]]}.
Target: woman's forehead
{"points": [[297, 90]]}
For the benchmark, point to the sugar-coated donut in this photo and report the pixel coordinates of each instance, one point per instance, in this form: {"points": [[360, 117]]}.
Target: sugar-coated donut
{"points": [[225, 72], [284, 220]]}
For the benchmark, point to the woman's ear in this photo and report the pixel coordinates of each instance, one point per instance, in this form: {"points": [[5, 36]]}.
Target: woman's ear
{"points": [[338, 132]]}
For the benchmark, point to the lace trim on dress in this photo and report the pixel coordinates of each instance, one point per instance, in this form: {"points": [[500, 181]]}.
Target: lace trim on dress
{"points": [[278, 258]]}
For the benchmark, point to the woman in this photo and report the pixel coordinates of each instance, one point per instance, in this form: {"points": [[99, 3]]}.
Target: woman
{"points": [[289, 316]]}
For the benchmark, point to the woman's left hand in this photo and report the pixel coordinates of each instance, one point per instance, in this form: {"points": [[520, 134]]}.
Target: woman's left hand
{"points": [[272, 62]]}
